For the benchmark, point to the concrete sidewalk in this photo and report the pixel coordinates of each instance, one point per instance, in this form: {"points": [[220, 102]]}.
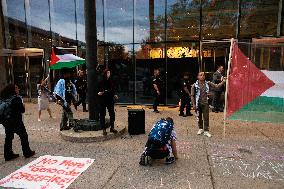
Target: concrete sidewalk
{"points": [[251, 155]]}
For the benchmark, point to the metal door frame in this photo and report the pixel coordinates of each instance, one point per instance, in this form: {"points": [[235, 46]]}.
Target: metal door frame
{"points": [[27, 53]]}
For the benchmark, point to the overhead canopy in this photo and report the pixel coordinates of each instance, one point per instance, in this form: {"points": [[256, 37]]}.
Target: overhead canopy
{"points": [[22, 52]]}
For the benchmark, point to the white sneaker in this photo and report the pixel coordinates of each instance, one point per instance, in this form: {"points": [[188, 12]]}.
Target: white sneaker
{"points": [[206, 133], [38, 120], [200, 131]]}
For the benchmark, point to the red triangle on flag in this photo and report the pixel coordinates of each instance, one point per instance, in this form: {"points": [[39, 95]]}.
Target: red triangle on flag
{"points": [[53, 58], [245, 82]]}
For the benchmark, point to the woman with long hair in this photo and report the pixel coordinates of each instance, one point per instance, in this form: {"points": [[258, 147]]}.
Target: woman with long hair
{"points": [[107, 98], [14, 124]]}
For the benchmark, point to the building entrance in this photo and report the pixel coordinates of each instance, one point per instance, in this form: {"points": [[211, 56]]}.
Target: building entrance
{"points": [[24, 67]]}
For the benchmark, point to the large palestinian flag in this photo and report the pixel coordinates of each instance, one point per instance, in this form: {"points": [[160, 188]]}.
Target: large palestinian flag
{"points": [[60, 59], [253, 94]]}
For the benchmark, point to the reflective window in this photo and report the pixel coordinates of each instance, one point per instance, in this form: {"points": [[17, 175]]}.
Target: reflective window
{"points": [[80, 20], [40, 24], [17, 27], [120, 62], [219, 19], [259, 17], [119, 21], [183, 20], [39, 13], [16, 10], [100, 19], [182, 57], [149, 21], [149, 57], [63, 22]]}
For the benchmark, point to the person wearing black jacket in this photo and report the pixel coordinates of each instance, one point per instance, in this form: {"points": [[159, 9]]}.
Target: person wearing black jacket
{"points": [[217, 92], [81, 86], [185, 96], [157, 83], [107, 98], [15, 124]]}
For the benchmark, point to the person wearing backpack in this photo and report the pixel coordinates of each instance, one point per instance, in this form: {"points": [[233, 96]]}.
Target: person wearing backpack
{"points": [[199, 99], [161, 143], [13, 122]]}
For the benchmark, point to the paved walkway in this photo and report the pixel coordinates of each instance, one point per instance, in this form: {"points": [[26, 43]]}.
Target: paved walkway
{"points": [[251, 155]]}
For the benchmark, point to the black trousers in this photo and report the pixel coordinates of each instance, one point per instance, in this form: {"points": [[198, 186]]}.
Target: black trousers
{"points": [[110, 108], [157, 99], [82, 99], [185, 103], [217, 100], [156, 150], [67, 114], [10, 129]]}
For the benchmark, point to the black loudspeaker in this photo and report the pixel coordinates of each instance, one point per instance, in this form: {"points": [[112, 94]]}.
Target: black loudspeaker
{"points": [[136, 121]]}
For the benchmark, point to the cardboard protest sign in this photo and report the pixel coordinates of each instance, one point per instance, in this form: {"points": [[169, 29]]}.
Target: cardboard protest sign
{"points": [[47, 172]]}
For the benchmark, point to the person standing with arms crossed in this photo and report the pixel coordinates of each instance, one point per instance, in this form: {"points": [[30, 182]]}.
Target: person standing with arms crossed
{"points": [[199, 99], [157, 83]]}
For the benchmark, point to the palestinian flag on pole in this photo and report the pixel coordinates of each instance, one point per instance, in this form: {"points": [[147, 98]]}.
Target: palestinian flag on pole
{"points": [[60, 59], [253, 94]]}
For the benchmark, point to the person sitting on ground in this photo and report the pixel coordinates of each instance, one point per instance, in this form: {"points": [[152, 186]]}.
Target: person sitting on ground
{"points": [[161, 143], [43, 102], [13, 123]]}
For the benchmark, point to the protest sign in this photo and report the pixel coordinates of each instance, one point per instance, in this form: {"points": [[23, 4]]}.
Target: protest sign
{"points": [[47, 172]]}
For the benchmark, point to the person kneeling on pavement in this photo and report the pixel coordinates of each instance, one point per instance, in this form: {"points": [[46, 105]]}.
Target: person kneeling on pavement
{"points": [[161, 143]]}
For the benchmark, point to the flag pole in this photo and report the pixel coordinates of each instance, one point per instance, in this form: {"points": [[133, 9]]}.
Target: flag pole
{"points": [[227, 82]]}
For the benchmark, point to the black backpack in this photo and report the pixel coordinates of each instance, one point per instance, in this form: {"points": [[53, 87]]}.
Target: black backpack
{"points": [[5, 109]]}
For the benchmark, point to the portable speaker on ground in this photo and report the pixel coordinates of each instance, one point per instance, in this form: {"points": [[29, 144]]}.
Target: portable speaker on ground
{"points": [[136, 121]]}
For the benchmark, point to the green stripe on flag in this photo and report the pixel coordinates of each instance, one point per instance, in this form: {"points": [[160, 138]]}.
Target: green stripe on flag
{"points": [[262, 109], [71, 64]]}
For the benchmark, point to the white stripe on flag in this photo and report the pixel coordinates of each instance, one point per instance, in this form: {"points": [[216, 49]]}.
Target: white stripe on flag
{"points": [[275, 91], [68, 58], [275, 76]]}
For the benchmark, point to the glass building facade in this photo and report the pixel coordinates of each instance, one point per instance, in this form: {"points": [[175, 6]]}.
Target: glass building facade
{"points": [[134, 37]]}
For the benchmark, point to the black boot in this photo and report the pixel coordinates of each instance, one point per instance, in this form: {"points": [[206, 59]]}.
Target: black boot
{"points": [[30, 154], [112, 130], [104, 132], [11, 157]]}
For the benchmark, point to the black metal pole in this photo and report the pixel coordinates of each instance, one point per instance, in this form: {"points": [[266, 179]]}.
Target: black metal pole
{"points": [[26, 25], [280, 19], [133, 50], [91, 56], [76, 23], [238, 29], [200, 36], [165, 51], [2, 28], [152, 20]]}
